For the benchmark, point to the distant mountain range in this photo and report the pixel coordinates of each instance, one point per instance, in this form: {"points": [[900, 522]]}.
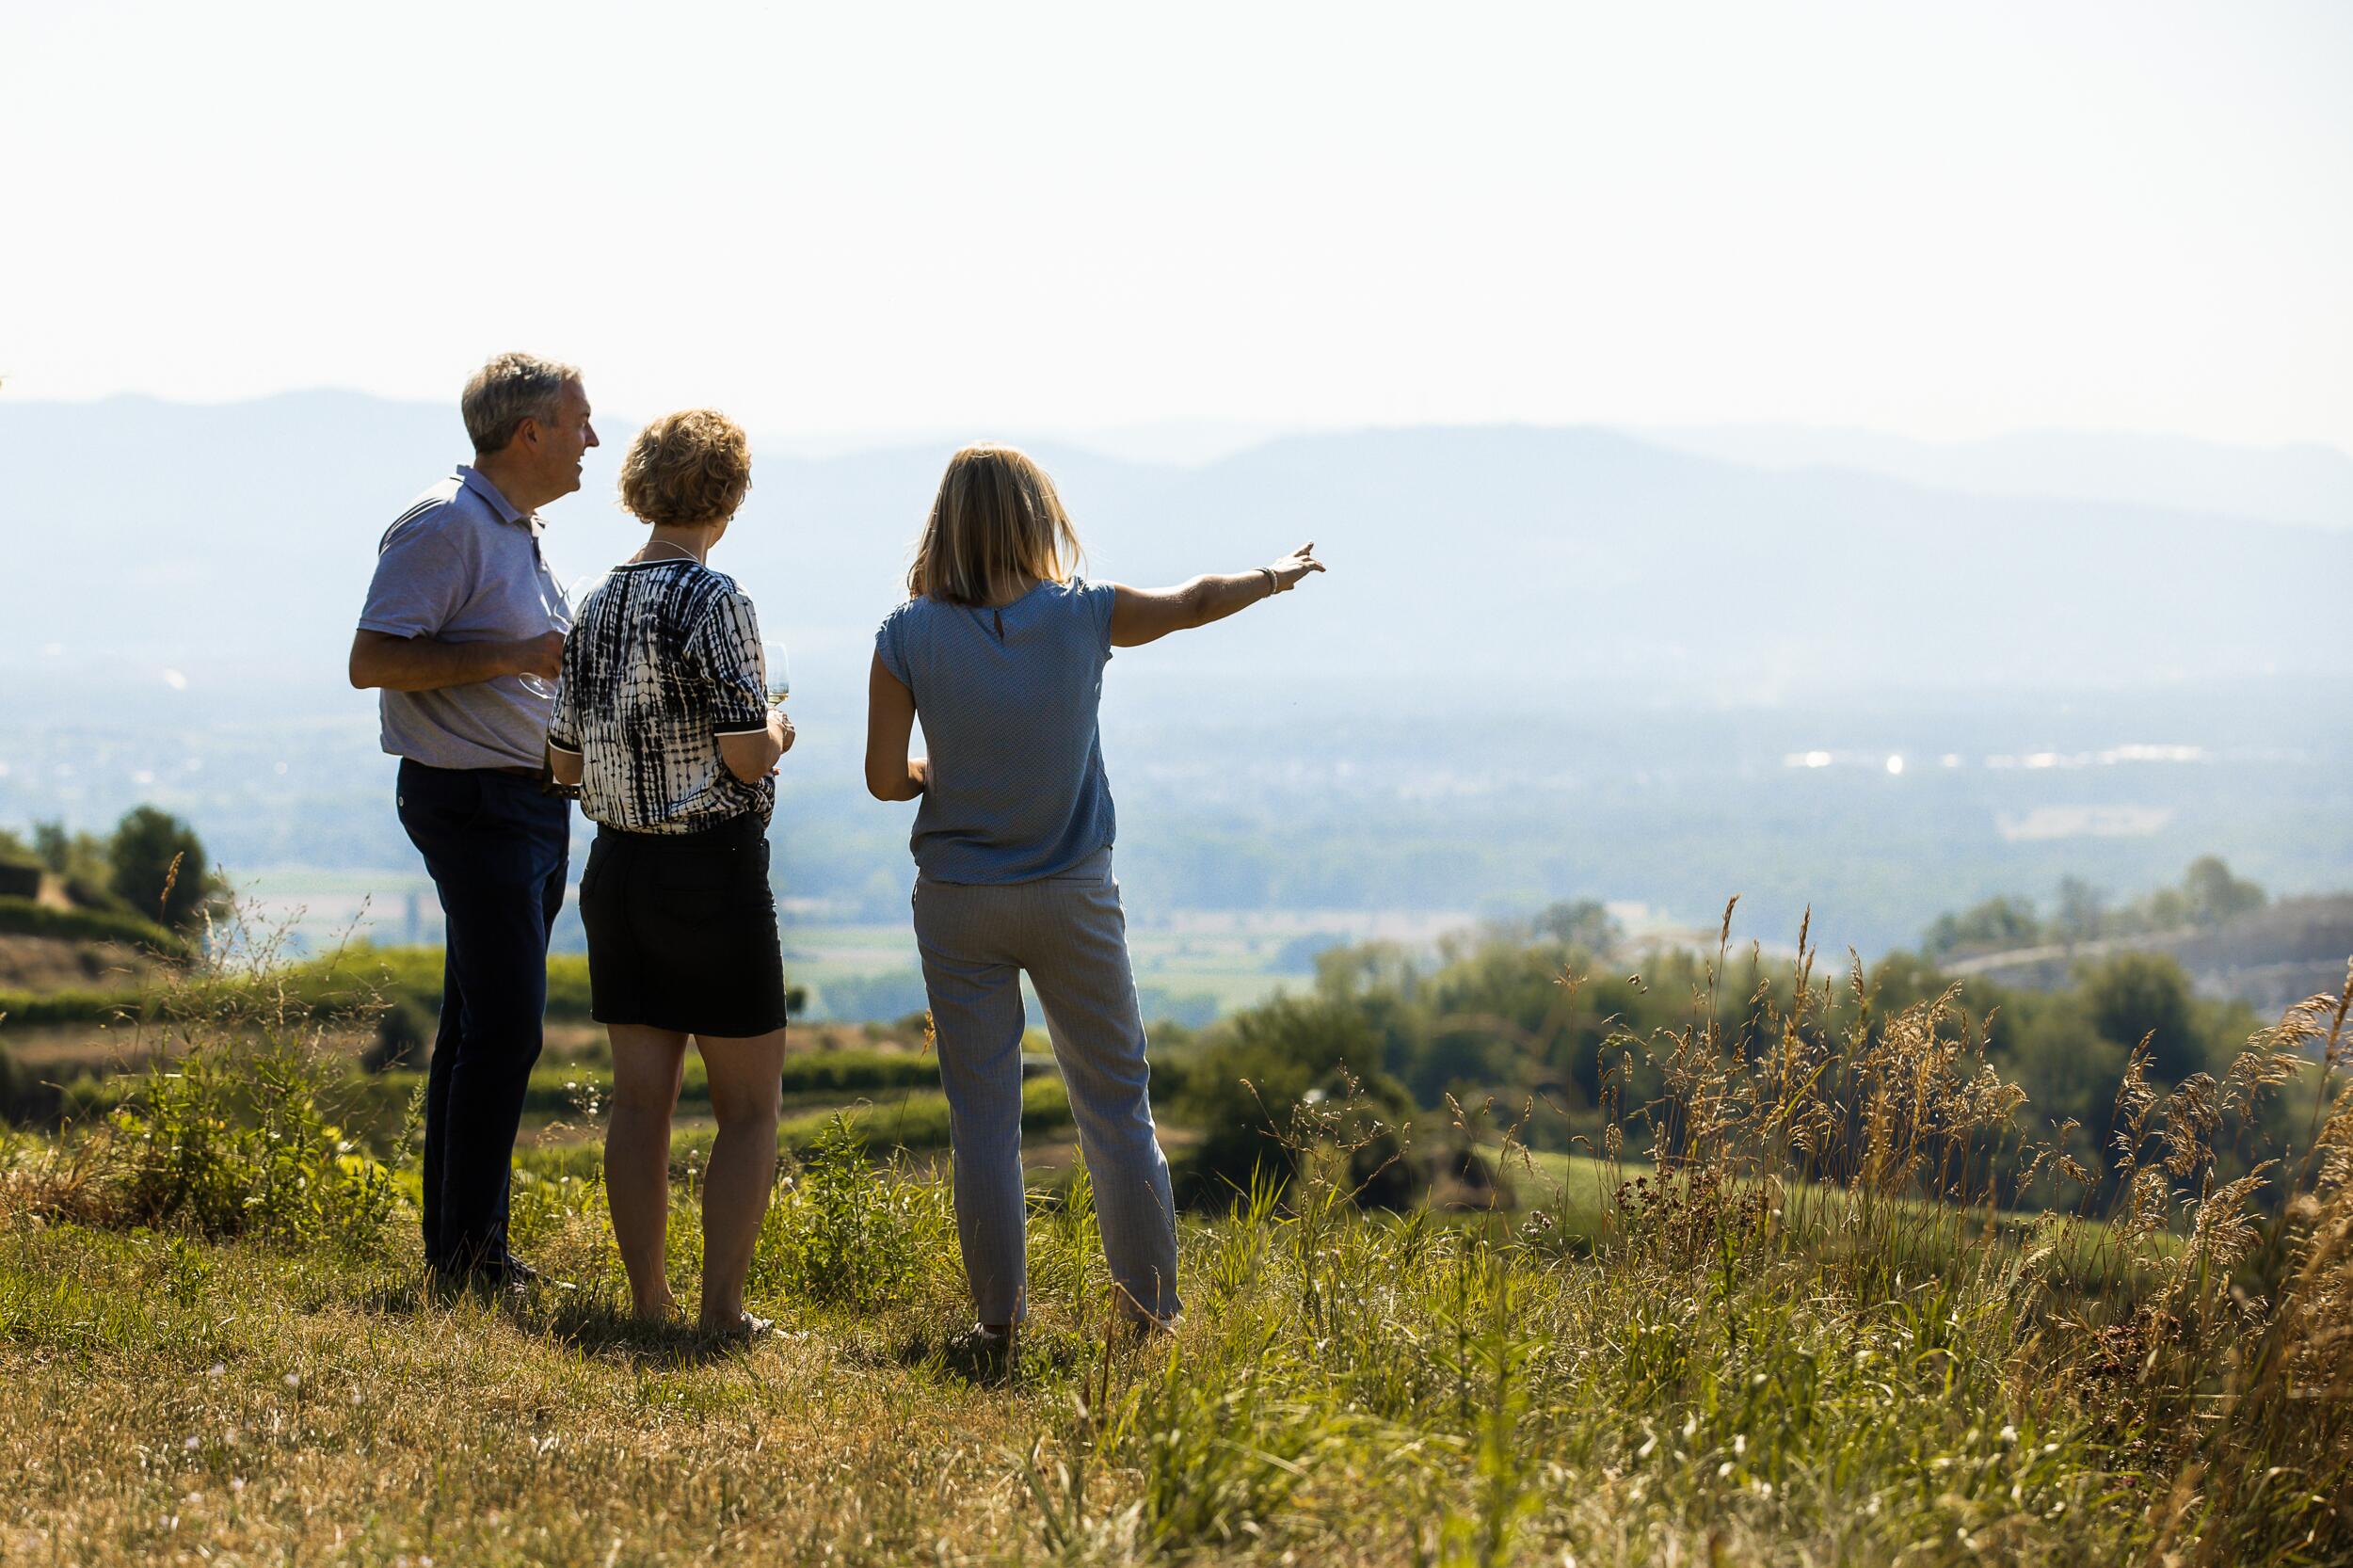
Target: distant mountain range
{"points": [[2305, 484], [1546, 664], [230, 544]]}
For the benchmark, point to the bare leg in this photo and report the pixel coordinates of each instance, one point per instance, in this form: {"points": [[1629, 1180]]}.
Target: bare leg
{"points": [[746, 1090], [647, 1066]]}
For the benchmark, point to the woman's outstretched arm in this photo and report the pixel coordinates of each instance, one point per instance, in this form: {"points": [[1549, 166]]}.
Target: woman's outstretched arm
{"points": [[889, 725], [1146, 615]]}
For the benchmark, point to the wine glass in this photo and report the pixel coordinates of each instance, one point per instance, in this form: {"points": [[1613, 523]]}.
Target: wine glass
{"points": [[778, 674]]}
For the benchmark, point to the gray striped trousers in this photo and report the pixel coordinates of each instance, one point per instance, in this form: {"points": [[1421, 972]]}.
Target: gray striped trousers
{"points": [[1071, 934]]}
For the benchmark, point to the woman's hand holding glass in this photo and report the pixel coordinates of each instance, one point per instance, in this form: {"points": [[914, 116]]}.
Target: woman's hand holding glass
{"points": [[776, 674], [776, 671]]}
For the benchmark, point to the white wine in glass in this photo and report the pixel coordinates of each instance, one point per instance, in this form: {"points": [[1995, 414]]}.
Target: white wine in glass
{"points": [[778, 673]]}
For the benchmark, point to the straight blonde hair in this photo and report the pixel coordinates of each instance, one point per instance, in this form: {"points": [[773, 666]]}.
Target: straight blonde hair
{"points": [[997, 519]]}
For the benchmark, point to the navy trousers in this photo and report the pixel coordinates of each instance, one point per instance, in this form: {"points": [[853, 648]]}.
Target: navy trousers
{"points": [[498, 850]]}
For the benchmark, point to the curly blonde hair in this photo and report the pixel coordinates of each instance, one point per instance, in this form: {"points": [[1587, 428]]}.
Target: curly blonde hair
{"points": [[687, 469]]}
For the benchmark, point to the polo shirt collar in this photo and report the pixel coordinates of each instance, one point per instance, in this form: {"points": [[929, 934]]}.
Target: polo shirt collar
{"points": [[471, 478]]}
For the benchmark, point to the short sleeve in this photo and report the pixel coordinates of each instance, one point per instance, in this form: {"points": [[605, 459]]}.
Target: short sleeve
{"points": [[424, 576], [887, 638], [727, 646], [1101, 600], [564, 726]]}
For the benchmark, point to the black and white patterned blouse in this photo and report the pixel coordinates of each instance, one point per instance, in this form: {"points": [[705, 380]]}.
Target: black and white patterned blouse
{"points": [[662, 659]]}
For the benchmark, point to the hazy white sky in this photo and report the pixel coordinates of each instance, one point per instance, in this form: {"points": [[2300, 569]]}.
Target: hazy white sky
{"points": [[1937, 220]]}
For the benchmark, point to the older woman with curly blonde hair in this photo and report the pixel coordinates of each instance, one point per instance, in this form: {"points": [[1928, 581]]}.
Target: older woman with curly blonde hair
{"points": [[663, 720]]}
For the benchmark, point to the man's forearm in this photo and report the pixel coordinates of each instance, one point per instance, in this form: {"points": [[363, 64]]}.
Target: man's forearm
{"points": [[428, 663]]}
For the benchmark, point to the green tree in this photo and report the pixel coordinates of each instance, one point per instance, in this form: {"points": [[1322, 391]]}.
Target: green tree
{"points": [[2082, 909], [2135, 996], [159, 868], [54, 845], [1988, 927], [2166, 909], [1585, 925], [83, 862], [2215, 895], [21, 870]]}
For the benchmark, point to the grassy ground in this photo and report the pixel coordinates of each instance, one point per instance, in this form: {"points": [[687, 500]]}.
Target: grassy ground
{"points": [[1354, 1395], [216, 1345], [1344, 1389]]}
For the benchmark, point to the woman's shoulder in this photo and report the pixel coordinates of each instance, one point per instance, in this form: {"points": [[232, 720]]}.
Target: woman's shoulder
{"points": [[1092, 603], [705, 581], [696, 593], [912, 612]]}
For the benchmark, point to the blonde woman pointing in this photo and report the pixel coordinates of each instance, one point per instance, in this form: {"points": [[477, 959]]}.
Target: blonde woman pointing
{"points": [[1000, 649]]}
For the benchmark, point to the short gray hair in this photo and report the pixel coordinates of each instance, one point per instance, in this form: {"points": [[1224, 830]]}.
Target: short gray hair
{"points": [[509, 390]]}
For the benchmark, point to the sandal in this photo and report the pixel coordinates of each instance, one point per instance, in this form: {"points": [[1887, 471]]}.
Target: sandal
{"points": [[745, 1329]]}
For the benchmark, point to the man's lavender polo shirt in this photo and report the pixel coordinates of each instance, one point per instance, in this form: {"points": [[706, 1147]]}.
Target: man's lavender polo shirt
{"points": [[463, 566]]}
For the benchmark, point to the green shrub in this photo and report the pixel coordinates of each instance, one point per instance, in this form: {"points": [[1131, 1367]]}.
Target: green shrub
{"points": [[246, 1141], [842, 1237], [1245, 1093], [403, 1032]]}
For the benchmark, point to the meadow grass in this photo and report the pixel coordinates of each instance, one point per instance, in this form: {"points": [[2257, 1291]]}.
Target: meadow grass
{"points": [[1810, 1332], [1344, 1389]]}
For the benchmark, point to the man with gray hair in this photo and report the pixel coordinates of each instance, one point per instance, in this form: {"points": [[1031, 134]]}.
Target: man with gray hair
{"points": [[463, 633]]}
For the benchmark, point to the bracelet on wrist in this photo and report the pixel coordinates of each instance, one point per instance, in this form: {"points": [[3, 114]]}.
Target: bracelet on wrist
{"points": [[1273, 584]]}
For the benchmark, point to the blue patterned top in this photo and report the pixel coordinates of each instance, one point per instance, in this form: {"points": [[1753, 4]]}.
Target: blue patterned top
{"points": [[1008, 700]]}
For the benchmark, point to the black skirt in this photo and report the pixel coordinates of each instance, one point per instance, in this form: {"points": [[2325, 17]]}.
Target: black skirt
{"points": [[682, 930]]}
